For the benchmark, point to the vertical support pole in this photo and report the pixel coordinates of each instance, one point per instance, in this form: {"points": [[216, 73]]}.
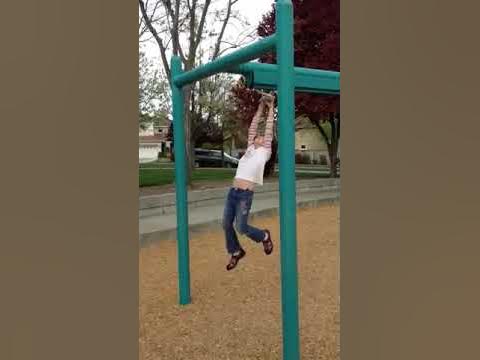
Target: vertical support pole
{"points": [[288, 204], [180, 185]]}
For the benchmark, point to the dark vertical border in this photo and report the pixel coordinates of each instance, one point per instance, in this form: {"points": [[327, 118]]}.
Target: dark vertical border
{"points": [[69, 228], [410, 180]]}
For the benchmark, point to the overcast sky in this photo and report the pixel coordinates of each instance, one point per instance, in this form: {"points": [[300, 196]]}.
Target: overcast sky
{"points": [[252, 10]]}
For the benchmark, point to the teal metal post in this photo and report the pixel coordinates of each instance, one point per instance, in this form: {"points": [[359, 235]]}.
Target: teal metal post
{"points": [[288, 204], [180, 184]]}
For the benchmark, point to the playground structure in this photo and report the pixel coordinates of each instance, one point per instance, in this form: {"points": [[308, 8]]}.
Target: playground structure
{"points": [[286, 79]]}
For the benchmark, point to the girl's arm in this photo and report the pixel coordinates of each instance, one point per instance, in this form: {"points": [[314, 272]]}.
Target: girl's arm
{"points": [[269, 128], [252, 130]]}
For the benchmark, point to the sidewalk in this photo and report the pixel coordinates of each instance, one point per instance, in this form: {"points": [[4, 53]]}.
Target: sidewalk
{"points": [[157, 215]]}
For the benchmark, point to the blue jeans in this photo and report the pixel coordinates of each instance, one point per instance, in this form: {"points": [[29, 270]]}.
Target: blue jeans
{"points": [[237, 208]]}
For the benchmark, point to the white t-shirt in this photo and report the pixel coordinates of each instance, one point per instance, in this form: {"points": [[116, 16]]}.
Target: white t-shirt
{"points": [[251, 165]]}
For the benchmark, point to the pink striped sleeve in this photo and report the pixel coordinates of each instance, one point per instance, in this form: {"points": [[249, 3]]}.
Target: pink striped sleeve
{"points": [[269, 130], [252, 130]]}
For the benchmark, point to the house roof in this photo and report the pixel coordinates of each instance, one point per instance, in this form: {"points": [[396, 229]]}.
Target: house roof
{"points": [[303, 122]]}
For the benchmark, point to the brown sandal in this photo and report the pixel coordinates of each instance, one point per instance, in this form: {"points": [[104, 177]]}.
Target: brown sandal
{"points": [[268, 244], [234, 260]]}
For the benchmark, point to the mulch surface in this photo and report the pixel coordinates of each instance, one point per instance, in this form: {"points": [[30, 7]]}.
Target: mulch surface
{"points": [[236, 315]]}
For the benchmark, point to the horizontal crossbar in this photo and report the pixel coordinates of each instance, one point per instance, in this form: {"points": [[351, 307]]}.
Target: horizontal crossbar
{"points": [[224, 63], [265, 76]]}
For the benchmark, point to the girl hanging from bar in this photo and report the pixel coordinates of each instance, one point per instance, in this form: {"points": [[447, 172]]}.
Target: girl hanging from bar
{"points": [[249, 174]]}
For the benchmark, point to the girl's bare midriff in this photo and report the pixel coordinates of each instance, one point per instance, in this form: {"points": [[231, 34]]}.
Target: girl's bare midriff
{"points": [[243, 184]]}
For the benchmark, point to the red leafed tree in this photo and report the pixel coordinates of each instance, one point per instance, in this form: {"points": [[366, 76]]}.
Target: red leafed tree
{"points": [[317, 46]]}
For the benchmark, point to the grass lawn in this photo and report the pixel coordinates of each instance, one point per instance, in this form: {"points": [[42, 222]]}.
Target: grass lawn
{"points": [[154, 175]]}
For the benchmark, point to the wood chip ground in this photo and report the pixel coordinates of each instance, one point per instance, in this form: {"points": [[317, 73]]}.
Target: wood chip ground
{"points": [[237, 315]]}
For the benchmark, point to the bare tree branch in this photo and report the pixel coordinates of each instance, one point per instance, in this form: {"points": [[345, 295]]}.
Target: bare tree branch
{"points": [[140, 25], [148, 22], [222, 31], [234, 46], [174, 27], [170, 21], [176, 36], [251, 34], [191, 40], [168, 7], [145, 40], [152, 16], [202, 24], [154, 9]]}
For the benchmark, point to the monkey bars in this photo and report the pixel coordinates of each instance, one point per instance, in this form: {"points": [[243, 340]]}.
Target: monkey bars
{"points": [[286, 80]]}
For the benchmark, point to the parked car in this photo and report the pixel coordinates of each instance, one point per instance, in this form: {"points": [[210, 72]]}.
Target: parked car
{"points": [[213, 158]]}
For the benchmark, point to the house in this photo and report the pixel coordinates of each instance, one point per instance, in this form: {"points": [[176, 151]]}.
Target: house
{"points": [[309, 143], [153, 141]]}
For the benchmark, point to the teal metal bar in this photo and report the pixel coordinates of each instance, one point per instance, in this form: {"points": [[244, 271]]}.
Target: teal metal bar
{"points": [[180, 185], [265, 77], [288, 204], [226, 62]]}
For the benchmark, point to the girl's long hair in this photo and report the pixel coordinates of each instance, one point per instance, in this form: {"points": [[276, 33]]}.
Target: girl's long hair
{"points": [[270, 164]]}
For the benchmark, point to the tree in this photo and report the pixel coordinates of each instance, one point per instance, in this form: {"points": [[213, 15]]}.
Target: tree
{"points": [[317, 45], [211, 111], [153, 98], [180, 28]]}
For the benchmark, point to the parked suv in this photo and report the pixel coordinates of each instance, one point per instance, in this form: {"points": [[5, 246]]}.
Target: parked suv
{"points": [[213, 158]]}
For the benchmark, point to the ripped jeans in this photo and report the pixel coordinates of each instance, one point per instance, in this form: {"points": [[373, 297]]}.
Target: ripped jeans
{"points": [[237, 208]]}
